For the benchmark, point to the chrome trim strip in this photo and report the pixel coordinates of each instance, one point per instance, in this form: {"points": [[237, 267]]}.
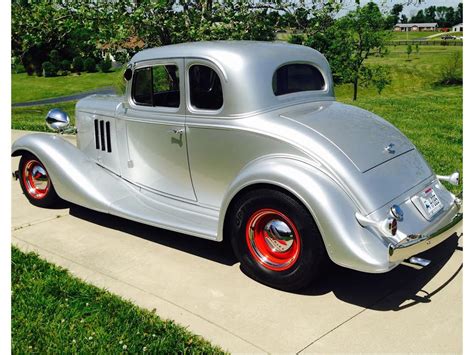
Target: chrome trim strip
{"points": [[418, 243]]}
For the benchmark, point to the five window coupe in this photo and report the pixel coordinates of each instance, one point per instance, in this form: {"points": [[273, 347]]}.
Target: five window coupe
{"points": [[244, 141]]}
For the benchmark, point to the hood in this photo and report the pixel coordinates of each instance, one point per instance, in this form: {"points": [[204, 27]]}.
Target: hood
{"points": [[366, 139], [100, 104]]}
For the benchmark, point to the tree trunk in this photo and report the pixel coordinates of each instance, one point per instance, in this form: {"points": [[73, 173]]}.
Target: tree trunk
{"points": [[209, 7], [356, 84]]}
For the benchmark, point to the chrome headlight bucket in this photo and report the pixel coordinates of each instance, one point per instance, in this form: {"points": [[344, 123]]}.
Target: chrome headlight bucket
{"points": [[57, 120]]}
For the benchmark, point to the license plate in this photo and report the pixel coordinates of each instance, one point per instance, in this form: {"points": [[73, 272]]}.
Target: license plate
{"points": [[430, 202]]}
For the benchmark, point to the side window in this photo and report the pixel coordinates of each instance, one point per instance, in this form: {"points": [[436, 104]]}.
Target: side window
{"points": [[142, 87], [297, 77], [205, 88], [156, 86]]}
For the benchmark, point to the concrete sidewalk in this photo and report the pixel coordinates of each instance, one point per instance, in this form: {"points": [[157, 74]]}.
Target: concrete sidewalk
{"points": [[198, 284]]}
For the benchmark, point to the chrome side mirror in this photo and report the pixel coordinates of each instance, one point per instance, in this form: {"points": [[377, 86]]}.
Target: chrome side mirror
{"points": [[57, 120]]}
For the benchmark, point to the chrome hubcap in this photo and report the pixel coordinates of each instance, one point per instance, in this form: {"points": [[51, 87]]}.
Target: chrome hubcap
{"points": [[278, 236], [273, 239], [35, 179], [39, 177]]}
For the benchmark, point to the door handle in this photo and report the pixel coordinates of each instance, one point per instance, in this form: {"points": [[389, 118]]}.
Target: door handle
{"points": [[176, 130]]}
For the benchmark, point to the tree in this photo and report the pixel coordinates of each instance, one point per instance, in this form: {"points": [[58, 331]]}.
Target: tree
{"points": [[88, 28], [419, 17], [430, 14], [409, 50], [72, 27], [351, 40], [394, 16], [458, 14]]}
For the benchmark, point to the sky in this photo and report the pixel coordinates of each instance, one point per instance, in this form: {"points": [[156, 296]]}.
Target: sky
{"points": [[408, 10]]}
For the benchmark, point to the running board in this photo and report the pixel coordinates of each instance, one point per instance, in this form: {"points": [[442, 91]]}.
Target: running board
{"points": [[168, 213]]}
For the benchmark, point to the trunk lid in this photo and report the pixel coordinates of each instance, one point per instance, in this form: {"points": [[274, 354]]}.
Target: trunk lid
{"points": [[366, 139]]}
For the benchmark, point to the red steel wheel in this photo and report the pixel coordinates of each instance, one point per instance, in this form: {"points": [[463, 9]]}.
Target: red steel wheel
{"points": [[273, 239], [36, 182], [35, 179]]}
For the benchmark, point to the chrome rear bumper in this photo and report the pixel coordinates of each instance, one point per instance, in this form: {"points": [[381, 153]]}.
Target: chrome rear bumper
{"points": [[418, 243]]}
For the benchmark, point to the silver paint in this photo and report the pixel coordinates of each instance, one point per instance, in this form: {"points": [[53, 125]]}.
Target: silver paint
{"points": [[181, 168]]}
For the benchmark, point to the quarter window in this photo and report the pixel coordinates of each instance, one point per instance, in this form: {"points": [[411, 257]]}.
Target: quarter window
{"points": [[156, 86], [297, 77], [205, 88]]}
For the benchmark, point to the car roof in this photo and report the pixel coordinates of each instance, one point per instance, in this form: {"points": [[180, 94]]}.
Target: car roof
{"points": [[247, 49], [247, 68]]}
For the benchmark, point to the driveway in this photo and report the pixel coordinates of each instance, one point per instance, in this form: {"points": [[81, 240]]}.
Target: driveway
{"points": [[199, 284]]}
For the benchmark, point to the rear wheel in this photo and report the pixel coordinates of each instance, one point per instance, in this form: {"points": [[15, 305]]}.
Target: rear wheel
{"points": [[276, 239], [36, 183]]}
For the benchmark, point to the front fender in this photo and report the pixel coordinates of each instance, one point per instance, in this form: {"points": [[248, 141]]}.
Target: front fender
{"points": [[76, 178], [348, 244]]}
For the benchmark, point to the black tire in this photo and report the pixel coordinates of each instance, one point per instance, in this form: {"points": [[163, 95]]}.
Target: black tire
{"points": [[36, 193], [305, 259]]}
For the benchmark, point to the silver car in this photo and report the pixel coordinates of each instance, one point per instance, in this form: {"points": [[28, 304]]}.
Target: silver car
{"points": [[244, 141]]}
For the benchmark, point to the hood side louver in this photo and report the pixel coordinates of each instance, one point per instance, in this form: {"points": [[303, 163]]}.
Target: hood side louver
{"points": [[102, 135]]}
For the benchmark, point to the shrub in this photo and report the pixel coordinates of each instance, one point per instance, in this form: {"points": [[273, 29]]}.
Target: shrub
{"points": [[451, 72], [65, 65], [17, 67], [90, 65], [49, 69], [409, 50], [55, 58], [77, 64], [106, 64]]}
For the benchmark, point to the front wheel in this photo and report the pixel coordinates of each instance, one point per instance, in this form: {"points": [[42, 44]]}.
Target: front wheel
{"points": [[36, 183], [276, 239]]}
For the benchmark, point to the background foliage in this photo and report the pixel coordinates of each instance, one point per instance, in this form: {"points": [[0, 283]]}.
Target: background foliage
{"points": [[87, 34]]}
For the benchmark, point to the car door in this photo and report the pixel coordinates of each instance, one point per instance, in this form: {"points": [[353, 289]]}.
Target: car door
{"points": [[152, 123]]}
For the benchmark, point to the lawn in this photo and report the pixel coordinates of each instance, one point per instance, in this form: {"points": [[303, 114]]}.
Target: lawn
{"points": [[411, 35], [55, 313], [31, 88]]}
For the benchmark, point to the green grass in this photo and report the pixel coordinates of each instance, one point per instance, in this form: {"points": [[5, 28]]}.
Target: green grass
{"points": [[429, 115], [55, 313], [31, 88], [411, 35], [32, 118]]}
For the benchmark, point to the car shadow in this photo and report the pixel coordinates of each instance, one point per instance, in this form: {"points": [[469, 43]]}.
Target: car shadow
{"points": [[393, 291], [217, 252], [396, 290]]}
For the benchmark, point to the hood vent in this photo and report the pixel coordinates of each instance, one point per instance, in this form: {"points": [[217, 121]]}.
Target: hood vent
{"points": [[102, 135]]}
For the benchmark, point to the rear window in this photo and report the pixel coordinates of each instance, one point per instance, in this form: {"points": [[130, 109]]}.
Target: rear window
{"points": [[297, 77], [205, 88]]}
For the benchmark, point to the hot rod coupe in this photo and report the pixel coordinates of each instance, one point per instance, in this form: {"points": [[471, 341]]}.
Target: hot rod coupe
{"points": [[244, 141]]}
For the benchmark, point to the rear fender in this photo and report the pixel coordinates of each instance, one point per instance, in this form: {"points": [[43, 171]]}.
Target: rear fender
{"points": [[76, 178], [348, 244]]}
